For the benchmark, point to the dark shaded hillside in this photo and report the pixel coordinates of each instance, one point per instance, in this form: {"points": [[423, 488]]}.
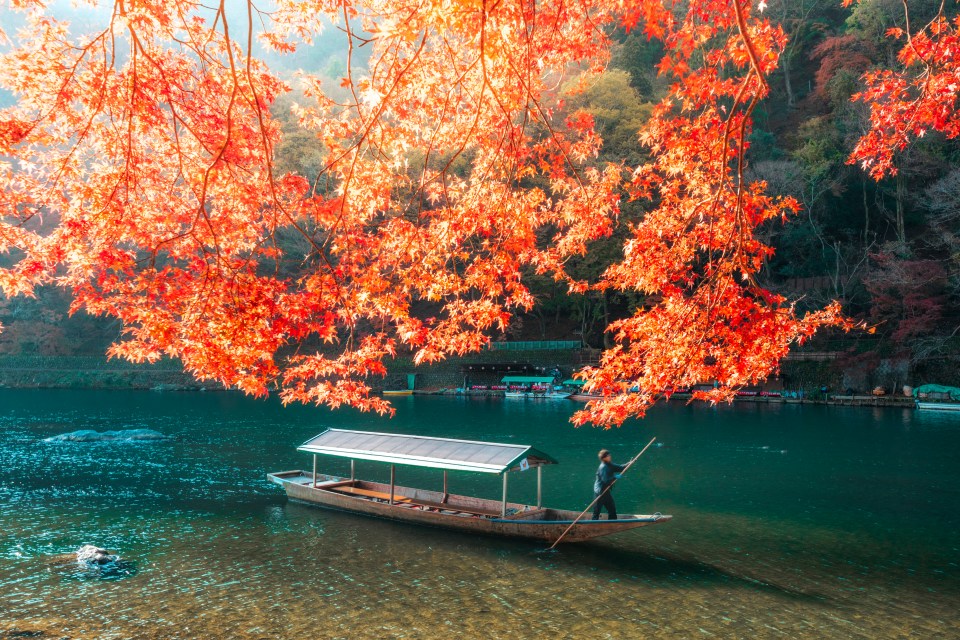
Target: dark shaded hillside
{"points": [[889, 251]]}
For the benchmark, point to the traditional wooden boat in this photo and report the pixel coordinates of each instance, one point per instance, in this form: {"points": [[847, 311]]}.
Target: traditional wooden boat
{"points": [[539, 394], [938, 406], [535, 387], [585, 397], [397, 392], [441, 508]]}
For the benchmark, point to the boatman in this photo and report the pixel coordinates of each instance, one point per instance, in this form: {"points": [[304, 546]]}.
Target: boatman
{"points": [[606, 475]]}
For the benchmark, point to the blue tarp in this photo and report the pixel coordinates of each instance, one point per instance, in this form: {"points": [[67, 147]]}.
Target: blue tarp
{"points": [[938, 390]]}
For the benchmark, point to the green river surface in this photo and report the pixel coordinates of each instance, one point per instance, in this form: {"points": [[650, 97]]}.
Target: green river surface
{"points": [[789, 522]]}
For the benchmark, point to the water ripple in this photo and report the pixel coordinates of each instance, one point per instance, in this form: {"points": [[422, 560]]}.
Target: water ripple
{"points": [[775, 534]]}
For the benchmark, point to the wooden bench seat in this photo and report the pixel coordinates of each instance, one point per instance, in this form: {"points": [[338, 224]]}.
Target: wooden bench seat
{"points": [[410, 502], [528, 514], [446, 506], [380, 495]]}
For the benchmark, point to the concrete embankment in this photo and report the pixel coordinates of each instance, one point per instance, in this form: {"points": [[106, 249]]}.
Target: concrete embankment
{"points": [[94, 372], [98, 372], [480, 369]]}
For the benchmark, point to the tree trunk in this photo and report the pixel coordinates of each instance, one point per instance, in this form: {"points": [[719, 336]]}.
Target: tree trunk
{"points": [[542, 321], [788, 85], [901, 194], [866, 214], [607, 338]]}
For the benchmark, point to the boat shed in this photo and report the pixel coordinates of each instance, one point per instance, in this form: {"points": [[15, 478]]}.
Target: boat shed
{"points": [[527, 380], [425, 451], [518, 368]]}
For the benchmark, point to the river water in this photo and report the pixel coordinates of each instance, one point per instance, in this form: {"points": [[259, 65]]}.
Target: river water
{"points": [[789, 521]]}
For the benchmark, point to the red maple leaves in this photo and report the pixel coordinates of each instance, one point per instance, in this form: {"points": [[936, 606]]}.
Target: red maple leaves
{"points": [[141, 174], [906, 103], [695, 255]]}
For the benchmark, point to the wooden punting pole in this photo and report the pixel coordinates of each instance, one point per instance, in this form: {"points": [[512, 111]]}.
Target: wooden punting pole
{"points": [[613, 482], [392, 479], [503, 506], [539, 485]]}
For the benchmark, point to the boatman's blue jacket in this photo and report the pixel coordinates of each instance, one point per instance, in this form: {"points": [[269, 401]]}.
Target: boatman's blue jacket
{"points": [[606, 474]]}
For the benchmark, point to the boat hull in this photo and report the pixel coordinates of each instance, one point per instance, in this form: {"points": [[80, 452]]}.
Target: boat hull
{"points": [[532, 395], [585, 397], [938, 406], [459, 513]]}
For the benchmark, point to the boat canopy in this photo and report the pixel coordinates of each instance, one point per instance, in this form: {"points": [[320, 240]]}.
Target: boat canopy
{"points": [[572, 382], [937, 389], [527, 379], [423, 451]]}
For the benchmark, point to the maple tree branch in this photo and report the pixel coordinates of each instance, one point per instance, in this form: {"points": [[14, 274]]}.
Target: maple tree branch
{"points": [[748, 42]]}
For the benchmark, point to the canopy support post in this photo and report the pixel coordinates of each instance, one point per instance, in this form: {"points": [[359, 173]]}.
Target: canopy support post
{"points": [[445, 493], [314, 471], [352, 469], [503, 506], [539, 485], [392, 479]]}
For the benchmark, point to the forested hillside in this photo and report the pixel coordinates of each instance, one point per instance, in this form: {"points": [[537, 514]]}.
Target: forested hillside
{"points": [[887, 250]]}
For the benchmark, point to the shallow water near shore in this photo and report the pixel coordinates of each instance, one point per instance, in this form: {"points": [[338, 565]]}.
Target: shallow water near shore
{"points": [[789, 521]]}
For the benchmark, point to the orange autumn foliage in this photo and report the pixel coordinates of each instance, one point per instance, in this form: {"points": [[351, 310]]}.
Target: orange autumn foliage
{"points": [[139, 171]]}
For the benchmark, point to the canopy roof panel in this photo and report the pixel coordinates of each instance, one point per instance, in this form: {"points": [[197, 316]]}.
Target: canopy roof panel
{"points": [[423, 451], [528, 379]]}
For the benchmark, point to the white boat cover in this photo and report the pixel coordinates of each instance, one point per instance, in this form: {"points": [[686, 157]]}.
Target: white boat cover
{"points": [[423, 451]]}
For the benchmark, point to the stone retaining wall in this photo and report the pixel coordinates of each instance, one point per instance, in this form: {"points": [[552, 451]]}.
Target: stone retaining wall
{"points": [[99, 372], [449, 374], [94, 372]]}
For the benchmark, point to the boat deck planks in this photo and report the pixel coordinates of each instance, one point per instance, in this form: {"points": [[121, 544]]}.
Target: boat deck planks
{"points": [[407, 501], [380, 495]]}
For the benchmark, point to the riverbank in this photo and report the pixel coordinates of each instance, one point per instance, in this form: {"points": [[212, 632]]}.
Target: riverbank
{"points": [[896, 402], [95, 372], [799, 383]]}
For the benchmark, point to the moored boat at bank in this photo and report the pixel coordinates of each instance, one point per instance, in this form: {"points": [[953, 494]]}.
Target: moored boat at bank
{"points": [[538, 394], [577, 394], [936, 397], [534, 387], [938, 406], [441, 508]]}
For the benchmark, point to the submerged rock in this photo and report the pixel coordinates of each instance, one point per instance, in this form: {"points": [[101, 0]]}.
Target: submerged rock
{"points": [[89, 554], [125, 435], [90, 562]]}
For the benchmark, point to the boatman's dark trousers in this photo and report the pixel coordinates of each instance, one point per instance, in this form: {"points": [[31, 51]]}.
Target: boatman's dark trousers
{"points": [[605, 500]]}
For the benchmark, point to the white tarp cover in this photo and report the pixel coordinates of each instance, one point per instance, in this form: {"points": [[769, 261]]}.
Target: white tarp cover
{"points": [[423, 451]]}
